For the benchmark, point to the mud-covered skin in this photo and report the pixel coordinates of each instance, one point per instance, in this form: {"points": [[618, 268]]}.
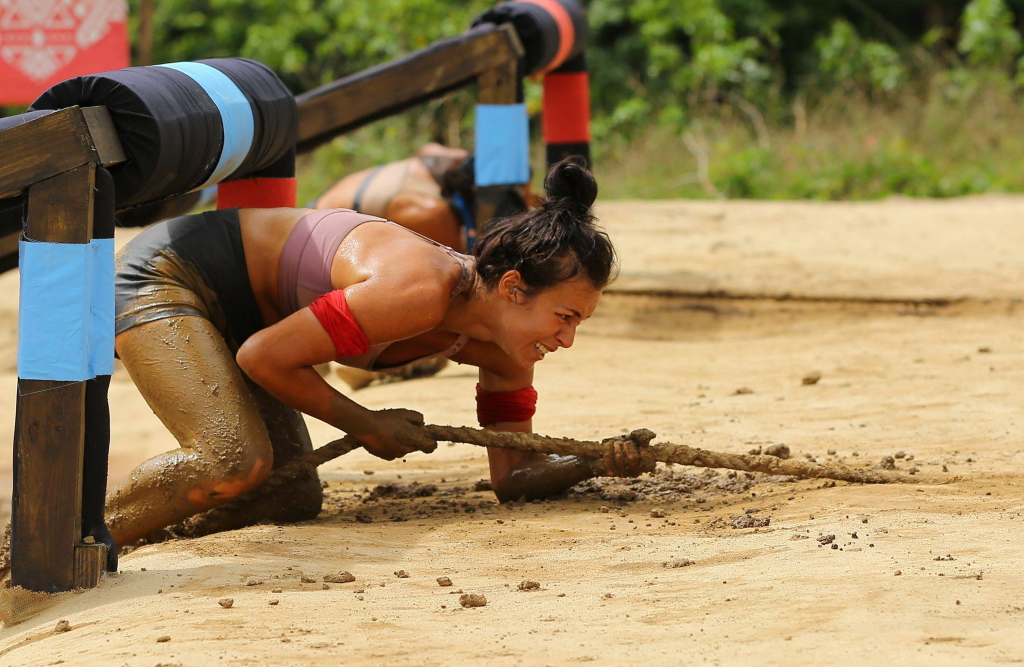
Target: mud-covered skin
{"points": [[187, 373], [300, 501]]}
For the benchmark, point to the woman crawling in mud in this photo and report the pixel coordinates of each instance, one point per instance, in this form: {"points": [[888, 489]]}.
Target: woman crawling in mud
{"points": [[222, 316]]}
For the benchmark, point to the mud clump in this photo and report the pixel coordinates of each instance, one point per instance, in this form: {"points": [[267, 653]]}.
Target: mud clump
{"points": [[163, 639], [811, 378], [402, 574], [778, 451], [749, 521], [307, 580], [398, 490], [62, 626], [444, 581], [528, 585], [887, 463], [473, 600], [678, 562], [483, 485], [227, 603], [339, 578], [826, 539]]}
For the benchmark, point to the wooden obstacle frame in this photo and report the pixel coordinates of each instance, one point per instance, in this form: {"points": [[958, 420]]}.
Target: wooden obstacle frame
{"points": [[47, 183]]}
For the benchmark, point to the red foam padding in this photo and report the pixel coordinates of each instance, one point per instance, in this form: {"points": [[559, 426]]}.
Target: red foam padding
{"points": [[258, 193], [566, 108]]}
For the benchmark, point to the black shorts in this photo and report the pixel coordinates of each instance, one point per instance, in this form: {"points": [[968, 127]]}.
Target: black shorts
{"points": [[192, 265]]}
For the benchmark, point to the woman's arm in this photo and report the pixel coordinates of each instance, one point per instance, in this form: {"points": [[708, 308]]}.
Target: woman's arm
{"points": [[281, 358], [530, 475]]}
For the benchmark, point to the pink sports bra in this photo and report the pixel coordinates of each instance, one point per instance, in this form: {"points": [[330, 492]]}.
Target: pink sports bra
{"points": [[304, 271]]}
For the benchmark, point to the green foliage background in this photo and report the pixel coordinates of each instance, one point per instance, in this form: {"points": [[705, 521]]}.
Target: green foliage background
{"points": [[691, 98]]}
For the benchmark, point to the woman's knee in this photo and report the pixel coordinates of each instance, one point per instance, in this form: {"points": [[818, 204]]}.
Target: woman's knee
{"points": [[237, 465]]}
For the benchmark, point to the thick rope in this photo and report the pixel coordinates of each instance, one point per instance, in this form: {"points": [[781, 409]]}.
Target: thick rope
{"points": [[530, 442]]}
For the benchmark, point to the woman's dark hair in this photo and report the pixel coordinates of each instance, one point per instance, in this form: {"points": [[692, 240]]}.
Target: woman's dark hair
{"points": [[554, 242], [459, 181]]}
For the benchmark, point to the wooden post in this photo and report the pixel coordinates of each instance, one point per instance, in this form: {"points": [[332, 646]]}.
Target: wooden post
{"points": [[50, 422], [501, 85]]}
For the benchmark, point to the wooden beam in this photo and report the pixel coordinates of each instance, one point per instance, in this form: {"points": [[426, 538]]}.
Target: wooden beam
{"points": [[50, 424], [381, 91], [43, 148]]}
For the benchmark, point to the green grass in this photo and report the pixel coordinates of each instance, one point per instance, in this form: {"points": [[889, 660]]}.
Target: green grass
{"points": [[944, 140]]}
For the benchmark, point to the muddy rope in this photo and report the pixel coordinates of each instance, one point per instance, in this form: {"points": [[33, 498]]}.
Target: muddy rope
{"points": [[530, 442]]}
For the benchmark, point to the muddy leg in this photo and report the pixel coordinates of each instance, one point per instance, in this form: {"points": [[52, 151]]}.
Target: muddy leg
{"points": [[299, 501], [188, 376]]}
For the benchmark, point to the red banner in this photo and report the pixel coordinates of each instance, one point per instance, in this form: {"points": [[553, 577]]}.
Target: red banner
{"points": [[43, 42]]}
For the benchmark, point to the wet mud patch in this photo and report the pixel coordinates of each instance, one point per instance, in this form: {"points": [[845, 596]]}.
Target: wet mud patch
{"points": [[396, 501], [668, 485]]}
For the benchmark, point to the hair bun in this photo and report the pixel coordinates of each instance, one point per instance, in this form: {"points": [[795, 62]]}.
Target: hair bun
{"points": [[569, 185]]}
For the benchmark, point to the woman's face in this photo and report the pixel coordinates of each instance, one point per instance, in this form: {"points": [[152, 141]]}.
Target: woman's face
{"points": [[535, 326]]}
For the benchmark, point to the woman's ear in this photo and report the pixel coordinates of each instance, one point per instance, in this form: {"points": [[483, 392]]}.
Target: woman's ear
{"points": [[511, 287]]}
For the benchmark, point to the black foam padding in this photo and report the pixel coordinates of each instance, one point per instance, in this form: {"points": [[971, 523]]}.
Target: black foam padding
{"points": [[573, 65], [275, 116], [581, 27], [12, 224], [538, 31], [169, 127], [284, 167], [536, 28], [144, 215], [555, 153], [96, 450], [103, 205]]}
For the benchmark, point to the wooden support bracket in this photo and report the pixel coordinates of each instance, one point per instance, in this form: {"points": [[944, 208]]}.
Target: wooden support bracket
{"points": [[90, 562]]}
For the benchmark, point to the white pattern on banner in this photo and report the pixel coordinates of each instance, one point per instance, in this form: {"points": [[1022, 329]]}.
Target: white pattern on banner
{"points": [[39, 37]]}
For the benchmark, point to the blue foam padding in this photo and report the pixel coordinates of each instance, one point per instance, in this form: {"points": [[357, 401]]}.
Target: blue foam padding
{"points": [[53, 311], [235, 112], [101, 320], [502, 144]]}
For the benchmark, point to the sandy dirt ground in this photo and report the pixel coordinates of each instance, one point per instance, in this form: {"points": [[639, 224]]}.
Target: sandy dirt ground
{"points": [[909, 311]]}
